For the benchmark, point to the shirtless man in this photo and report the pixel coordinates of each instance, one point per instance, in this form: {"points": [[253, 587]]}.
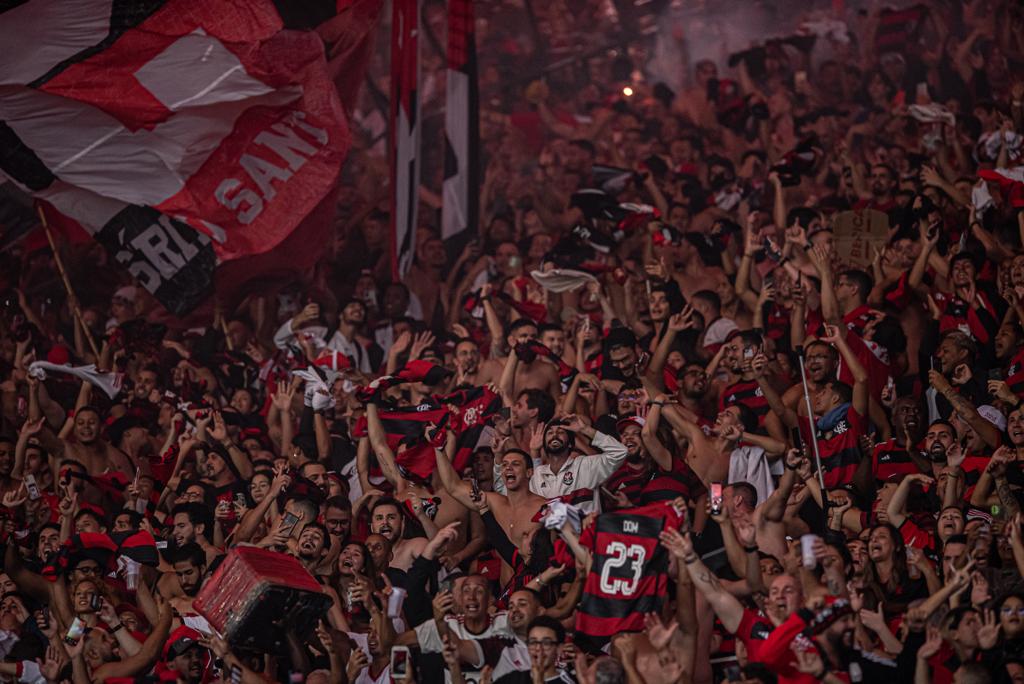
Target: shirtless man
{"points": [[469, 370], [821, 362], [79, 439], [469, 534], [517, 375], [513, 510], [386, 519]]}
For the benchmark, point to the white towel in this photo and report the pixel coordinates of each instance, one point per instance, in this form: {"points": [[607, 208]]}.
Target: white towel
{"points": [[749, 464], [110, 383]]}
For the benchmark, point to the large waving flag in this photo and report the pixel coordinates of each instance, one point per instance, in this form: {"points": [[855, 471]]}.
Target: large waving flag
{"points": [[461, 189], [178, 134], [1011, 183], [405, 132]]}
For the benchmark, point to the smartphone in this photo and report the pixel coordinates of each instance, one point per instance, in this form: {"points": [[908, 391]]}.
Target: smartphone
{"points": [[75, 632], [31, 487], [732, 673], [399, 662], [290, 521], [240, 499], [96, 602], [475, 488], [748, 352], [716, 498]]}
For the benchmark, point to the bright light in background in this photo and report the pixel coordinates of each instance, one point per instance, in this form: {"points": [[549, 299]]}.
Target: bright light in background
{"points": [[627, 91]]}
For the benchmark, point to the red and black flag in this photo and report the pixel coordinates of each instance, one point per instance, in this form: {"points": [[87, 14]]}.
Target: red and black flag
{"points": [[404, 426], [629, 574], [405, 133], [471, 409], [413, 371], [181, 136], [139, 546], [461, 189], [466, 412], [899, 29]]}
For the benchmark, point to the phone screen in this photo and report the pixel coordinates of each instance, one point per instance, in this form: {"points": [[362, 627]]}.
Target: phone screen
{"points": [[289, 523], [716, 497], [75, 631], [399, 662]]}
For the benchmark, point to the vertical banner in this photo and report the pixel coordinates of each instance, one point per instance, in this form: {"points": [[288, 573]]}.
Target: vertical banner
{"points": [[461, 125], [405, 133]]}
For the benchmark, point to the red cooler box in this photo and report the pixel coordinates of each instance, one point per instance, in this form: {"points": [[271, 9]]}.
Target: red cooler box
{"points": [[256, 596]]}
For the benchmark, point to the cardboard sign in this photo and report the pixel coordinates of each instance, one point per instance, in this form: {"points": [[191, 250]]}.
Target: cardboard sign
{"points": [[858, 233]]}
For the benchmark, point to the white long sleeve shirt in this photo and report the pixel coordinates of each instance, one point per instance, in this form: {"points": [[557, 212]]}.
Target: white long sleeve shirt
{"points": [[580, 472]]}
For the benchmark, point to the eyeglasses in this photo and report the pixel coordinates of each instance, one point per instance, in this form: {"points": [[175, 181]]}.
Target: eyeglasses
{"points": [[88, 569], [543, 643]]}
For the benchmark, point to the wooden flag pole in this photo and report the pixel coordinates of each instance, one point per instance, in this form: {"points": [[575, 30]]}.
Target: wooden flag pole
{"points": [[75, 309]]}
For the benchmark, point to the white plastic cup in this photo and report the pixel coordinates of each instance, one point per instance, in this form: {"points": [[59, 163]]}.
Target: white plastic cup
{"points": [[807, 550], [131, 574]]}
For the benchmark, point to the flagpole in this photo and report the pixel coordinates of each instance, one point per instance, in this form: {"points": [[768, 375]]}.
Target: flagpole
{"points": [[814, 429], [73, 299]]}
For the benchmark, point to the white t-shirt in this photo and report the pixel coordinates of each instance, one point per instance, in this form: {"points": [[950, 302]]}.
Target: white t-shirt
{"points": [[490, 643]]}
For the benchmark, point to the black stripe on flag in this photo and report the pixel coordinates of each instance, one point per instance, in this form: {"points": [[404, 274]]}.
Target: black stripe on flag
{"points": [[461, 188], [124, 15], [169, 258], [21, 163]]}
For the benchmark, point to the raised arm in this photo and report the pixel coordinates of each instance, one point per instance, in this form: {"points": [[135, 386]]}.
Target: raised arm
{"points": [[450, 480], [835, 335], [759, 367], [897, 508], [649, 434], [829, 304], [986, 430], [726, 606], [379, 444], [146, 656]]}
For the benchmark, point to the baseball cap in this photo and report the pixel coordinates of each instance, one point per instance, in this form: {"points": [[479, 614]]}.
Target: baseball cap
{"points": [[621, 424], [180, 641]]}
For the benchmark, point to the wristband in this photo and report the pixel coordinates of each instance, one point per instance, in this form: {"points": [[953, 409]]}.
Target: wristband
{"points": [[114, 629], [690, 560], [751, 549], [789, 467], [657, 403]]}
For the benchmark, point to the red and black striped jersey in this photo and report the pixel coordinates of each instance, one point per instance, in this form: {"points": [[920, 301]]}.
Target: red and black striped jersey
{"points": [[890, 461], [980, 322], [839, 447], [628, 577], [748, 393], [1015, 374], [666, 485], [629, 480]]}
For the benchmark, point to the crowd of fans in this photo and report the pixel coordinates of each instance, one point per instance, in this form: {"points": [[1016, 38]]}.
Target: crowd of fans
{"points": [[660, 254]]}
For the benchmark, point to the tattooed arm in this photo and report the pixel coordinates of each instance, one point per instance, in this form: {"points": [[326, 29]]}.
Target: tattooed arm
{"points": [[726, 606]]}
